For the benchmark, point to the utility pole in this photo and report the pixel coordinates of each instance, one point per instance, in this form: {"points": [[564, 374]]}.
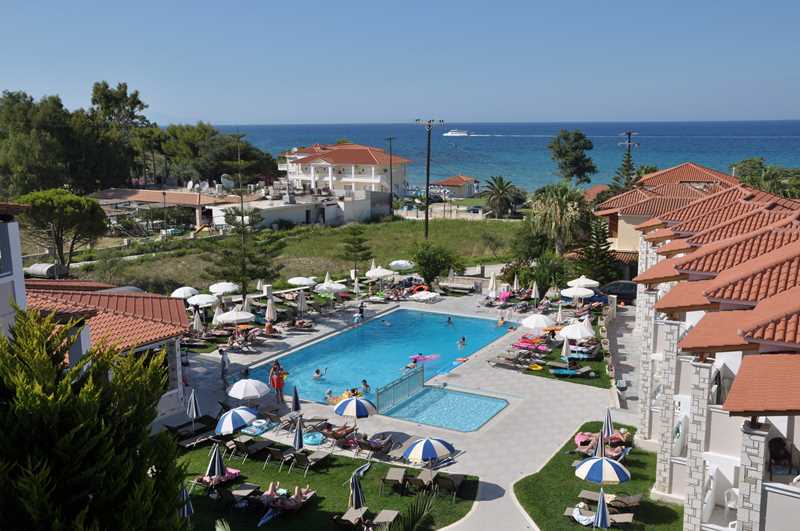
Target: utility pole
{"points": [[241, 213], [391, 178], [428, 124], [629, 143]]}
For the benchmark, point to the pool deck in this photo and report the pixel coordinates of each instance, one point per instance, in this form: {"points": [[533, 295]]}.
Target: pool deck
{"points": [[542, 413]]}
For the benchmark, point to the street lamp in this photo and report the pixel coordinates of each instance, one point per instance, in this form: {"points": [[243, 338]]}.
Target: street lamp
{"points": [[428, 124]]}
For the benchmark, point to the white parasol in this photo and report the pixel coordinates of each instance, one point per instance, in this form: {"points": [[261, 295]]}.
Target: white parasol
{"points": [[329, 286], [401, 265], [236, 317], [224, 288], [492, 291], [302, 281], [203, 300], [583, 282], [184, 292]]}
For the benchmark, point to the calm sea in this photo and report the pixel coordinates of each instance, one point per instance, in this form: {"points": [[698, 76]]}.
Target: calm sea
{"points": [[519, 150]]}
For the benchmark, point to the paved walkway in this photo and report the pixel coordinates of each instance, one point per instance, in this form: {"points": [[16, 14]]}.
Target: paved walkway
{"points": [[541, 415]]}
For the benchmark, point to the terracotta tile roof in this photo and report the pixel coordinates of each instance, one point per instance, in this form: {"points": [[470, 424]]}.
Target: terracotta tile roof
{"points": [[631, 197], [688, 172], [353, 154], [713, 218], [766, 384], [775, 320], [717, 257], [685, 190], [698, 207], [593, 191], [674, 247], [663, 271], [743, 224], [117, 320], [456, 180], [66, 284], [717, 332], [654, 206], [626, 257], [759, 278], [686, 296], [659, 235], [652, 223]]}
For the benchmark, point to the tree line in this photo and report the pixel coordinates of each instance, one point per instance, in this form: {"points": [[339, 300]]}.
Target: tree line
{"points": [[44, 145]]}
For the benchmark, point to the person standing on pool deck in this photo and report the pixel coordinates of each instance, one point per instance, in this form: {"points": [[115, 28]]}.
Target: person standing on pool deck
{"points": [[361, 309], [276, 380], [224, 362]]}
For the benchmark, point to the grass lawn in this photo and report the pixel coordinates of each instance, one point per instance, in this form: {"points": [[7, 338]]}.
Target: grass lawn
{"points": [[315, 251], [331, 499], [547, 493]]}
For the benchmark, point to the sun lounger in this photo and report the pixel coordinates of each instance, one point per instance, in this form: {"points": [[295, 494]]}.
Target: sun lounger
{"points": [[448, 483], [250, 448], [612, 500], [385, 518], [307, 462], [231, 474], [194, 440], [373, 446], [556, 364], [622, 518], [353, 518], [568, 373], [280, 457]]}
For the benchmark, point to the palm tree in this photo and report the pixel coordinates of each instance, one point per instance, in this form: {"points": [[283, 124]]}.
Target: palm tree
{"points": [[500, 194], [559, 211]]}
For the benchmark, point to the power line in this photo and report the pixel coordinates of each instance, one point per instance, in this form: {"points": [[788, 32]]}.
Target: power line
{"points": [[629, 143]]}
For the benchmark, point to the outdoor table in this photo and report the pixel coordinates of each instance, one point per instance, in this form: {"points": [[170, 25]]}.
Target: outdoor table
{"points": [[244, 490], [394, 475], [427, 475]]}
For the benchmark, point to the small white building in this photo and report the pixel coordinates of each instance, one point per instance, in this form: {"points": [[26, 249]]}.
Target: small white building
{"points": [[345, 168], [459, 186]]}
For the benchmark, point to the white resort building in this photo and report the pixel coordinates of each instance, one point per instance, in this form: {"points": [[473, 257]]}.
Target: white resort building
{"points": [[718, 314], [345, 168]]}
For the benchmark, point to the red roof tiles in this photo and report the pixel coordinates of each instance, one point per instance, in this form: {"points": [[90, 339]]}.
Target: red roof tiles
{"points": [[766, 384], [653, 206], [686, 296], [663, 271], [593, 191], [717, 332], [353, 154], [775, 320], [456, 180], [688, 172], [631, 197], [124, 321], [66, 284]]}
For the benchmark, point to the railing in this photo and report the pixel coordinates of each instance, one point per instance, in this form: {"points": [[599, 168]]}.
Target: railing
{"points": [[401, 389]]}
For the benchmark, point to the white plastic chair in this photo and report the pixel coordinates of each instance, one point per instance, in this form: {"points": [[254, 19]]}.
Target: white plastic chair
{"points": [[731, 500]]}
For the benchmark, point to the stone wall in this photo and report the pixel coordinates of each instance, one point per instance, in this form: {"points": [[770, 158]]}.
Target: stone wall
{"points": [[669, 366], [749, 515], [696, 444], [647, 301]]}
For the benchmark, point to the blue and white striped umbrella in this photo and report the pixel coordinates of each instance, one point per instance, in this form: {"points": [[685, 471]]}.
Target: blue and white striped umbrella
{"points": [[600, 469], [356, 500], [295, 399], [236, 418], [428, 449], [608, 425], [216, 466], [298, 434], [186, 510], [355, 407], [601, 518]]}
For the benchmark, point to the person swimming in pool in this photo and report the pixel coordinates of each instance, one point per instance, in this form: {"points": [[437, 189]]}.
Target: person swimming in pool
{"points": [[384, 322], [462, 343], [329, 398], [318, 374], [365, 388], [413, 364], [449, 321]]}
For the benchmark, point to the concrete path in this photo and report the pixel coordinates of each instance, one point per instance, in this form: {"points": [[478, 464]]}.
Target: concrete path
{"points": [[541, 414]]}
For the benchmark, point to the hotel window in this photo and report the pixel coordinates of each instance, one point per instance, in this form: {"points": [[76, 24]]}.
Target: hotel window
{"points": [[5, 251]]}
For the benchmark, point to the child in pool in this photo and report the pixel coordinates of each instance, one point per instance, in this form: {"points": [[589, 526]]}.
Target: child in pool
{"points": [[365, 386], [462, 343], [318, 374]]}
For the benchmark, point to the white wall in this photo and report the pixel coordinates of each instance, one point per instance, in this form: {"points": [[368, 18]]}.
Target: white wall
{"points": [[12, 279]]}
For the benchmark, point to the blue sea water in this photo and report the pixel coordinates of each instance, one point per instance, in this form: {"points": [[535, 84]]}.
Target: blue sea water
{"points": [[379, 349], [519, 150]]}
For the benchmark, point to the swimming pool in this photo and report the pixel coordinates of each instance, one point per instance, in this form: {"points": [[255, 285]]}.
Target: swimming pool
{"points": [[379, 349], [448, 409]]}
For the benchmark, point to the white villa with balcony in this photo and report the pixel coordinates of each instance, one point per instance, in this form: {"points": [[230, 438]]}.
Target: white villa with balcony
{"points": [[12, 280], [345, 168]]}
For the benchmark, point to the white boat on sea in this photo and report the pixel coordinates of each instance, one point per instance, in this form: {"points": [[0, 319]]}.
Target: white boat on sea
{"points": [[456, 132]]}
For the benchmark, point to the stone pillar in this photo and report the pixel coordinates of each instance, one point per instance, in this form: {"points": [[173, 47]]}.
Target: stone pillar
{"points": [[646, 338], [666, 419], [198, 217], [696, 445], [640, 288], [751, 477]]}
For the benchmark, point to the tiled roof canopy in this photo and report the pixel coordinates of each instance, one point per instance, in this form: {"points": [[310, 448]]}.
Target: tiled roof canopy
{"points": [[766, 384], [124, 321], [352, 154], [688, 172], [456, 180], [66, 284]]}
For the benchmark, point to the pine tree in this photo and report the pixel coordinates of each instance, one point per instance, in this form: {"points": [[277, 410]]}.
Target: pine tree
{"points": [[626, 176], [355, 248], [596, 260], [75, 449], [246, 257]]}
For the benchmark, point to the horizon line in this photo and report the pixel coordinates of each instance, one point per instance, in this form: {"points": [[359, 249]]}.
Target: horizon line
{"points": [[411, 122]]}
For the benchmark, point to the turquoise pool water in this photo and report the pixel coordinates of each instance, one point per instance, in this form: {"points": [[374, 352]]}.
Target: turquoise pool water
{"points": [[379, 350], [448, 409]]}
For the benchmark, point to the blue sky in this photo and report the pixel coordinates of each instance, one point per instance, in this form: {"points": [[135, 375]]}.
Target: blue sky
{"points": [[254, 62]]}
